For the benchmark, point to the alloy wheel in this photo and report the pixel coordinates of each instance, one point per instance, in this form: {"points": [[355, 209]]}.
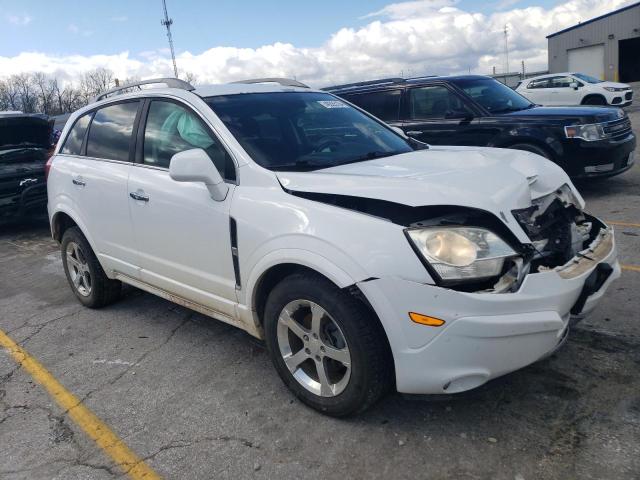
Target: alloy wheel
{"points": [[78, 269], [314, 348]]}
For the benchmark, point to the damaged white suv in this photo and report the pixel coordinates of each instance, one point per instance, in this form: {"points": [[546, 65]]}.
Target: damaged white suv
{"points": [[366, 260]]}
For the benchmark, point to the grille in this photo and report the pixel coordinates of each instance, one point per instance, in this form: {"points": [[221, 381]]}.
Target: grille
{"points": [[618, 129]]}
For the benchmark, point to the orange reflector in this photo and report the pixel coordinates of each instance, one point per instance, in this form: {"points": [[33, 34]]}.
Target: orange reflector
{"points": [[425, 320]]}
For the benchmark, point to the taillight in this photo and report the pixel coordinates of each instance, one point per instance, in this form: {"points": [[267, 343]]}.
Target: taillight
{"points": [[47, 168]]}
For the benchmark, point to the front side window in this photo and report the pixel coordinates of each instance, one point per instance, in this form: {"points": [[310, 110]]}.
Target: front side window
{"points": [[541, 83], [561, 82], [110, 133], [494, 96], [435, 101], [73, 143], [304, 130], [172, 128], [385, 104]]}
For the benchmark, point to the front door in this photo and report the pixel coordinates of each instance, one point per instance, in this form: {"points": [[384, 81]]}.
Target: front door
{"points": [[438, 116], [182, 234]]}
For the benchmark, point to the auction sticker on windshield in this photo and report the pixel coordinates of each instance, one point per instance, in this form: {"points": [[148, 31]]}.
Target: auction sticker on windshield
{"points": [[332, 104]]}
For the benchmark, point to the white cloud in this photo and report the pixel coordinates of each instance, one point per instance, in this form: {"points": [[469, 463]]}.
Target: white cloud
{"points": [[20, 20], [417, 37]]}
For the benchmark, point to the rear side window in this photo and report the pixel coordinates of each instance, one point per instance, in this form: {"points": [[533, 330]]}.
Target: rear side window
{"points": [[385, 105], [172, 128], [73, 143], [434, 102], [110, 134]]}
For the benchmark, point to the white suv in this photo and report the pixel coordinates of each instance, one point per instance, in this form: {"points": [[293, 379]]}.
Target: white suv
{"points": [[574, 89], [365, 260]]}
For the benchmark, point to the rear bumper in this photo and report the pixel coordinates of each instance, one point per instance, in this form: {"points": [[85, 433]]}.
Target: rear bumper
{"points": [[486, 335]]}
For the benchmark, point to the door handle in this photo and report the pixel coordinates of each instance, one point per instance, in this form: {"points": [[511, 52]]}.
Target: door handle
{"points": [[139, 196], [78, 181], [415, 132]]}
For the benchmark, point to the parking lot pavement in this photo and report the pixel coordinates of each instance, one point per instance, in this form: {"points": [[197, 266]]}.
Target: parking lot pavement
{"points": [[195, 398]]}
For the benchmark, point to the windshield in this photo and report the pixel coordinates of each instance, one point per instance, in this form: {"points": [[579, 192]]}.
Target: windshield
{"points": [[304, 130], [586, 78], [496, 97]]}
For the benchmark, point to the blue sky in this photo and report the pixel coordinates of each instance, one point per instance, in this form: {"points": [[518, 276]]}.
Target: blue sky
{"points": [[320, 42], [69, 27]]}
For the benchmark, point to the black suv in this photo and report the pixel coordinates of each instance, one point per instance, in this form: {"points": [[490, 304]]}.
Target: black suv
{"points": [[478, 110], [25, 147]]}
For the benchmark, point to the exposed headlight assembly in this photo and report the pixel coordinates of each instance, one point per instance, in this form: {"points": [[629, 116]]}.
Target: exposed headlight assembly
{"points": [[614, 89], [590, 133], [461, 253]]}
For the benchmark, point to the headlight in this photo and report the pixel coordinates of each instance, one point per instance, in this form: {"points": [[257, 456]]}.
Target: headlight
{"points": [[459, 253], [614, 89], [590, 133]]}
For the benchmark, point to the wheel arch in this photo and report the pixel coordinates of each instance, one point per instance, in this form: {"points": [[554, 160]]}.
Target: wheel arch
{"points": [[62, 220], [594, 95]]}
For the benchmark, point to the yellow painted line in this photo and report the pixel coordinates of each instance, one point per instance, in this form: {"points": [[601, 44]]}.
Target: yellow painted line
{"points": [[624, 224], [100, 433], [631, 268]]}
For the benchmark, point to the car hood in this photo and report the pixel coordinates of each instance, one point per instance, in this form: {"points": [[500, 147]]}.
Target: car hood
{"points": [[612, 84], [25, 130], [491, 179], [585, 114]]}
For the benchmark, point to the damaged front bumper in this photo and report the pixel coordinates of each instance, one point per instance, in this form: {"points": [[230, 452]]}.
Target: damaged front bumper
{"points": [[486, 334]]}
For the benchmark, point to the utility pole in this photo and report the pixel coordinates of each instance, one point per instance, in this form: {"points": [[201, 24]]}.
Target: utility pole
{"points": [[506, 48], [167, 22]]}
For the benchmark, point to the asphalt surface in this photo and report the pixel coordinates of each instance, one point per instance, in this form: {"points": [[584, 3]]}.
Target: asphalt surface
{"points": [[196, 398]]}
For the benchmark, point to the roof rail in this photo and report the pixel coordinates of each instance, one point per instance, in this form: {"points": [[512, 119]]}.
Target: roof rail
{"points": [[285, 82], [169, 82], [382, 81]]}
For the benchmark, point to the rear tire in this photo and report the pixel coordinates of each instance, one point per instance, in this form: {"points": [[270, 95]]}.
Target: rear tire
{"points": [[527, 147], [84, 273], [594, 100], [312, 326]]}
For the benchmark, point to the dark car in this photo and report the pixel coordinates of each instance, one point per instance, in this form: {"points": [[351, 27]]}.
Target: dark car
{"points": [[25, 146], [480, 111]]}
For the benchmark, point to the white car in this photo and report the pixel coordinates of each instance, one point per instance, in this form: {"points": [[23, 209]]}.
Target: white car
{"points": [[365, 260], [575, 89]]}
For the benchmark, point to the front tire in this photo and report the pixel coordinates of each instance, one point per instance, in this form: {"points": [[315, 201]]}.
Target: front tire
{"points": [[326, 346], [594, 100], [84, 273]]}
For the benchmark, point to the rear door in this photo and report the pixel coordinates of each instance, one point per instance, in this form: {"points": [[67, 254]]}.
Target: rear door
{"points": [[536, 90], [437, 115], [97, 180], [182, 234]]}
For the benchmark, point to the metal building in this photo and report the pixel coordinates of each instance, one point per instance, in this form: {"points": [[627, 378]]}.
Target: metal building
{"points": [[606, 47]]}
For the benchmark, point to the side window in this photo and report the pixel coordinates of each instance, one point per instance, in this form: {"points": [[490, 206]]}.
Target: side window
{"points": [[111, 131], [561, 82], [73, 143], [542, 83], [385, 105], [172, 128], [434, 102]]}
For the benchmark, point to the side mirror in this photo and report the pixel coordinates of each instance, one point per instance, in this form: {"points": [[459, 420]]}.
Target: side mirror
{"points": [[399, 131], [574, 85], [196, 166]]}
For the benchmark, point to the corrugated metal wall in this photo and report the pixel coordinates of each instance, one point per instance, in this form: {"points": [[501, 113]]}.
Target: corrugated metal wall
{"points": [[621, 25]]}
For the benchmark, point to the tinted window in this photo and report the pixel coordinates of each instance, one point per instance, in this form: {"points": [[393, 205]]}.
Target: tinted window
{"points": [[171, 129], [384, 105], [542, 83], [110, 131], [304, 131], [435, 102], [73, 143]]}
